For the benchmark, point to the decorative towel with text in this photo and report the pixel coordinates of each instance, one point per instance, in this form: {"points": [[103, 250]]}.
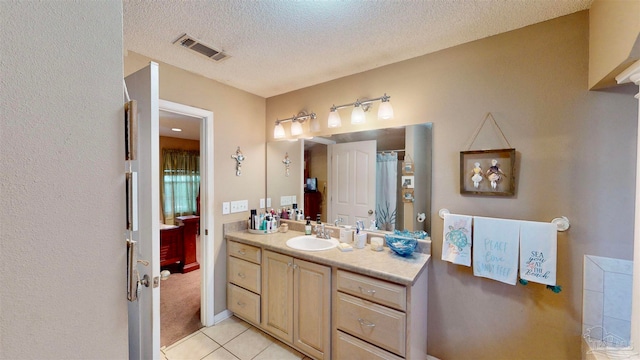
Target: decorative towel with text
{"points": [[538, 252], [495, 249], [456, 237]]}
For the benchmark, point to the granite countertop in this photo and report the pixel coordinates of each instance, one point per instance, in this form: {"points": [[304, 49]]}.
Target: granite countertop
{"points": [[383, 264]]}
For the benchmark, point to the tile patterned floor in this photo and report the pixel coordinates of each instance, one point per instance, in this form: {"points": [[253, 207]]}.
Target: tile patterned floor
{"points": [[232, 339]]}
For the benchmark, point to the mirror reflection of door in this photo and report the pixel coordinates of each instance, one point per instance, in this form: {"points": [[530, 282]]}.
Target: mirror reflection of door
{"points": [[353, 188]]}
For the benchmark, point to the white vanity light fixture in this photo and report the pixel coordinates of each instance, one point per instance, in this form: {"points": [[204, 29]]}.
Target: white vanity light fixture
{"points": [[314, 125], [357, 115], [296, 125], [360, 106], [385, 111], [334, 119], [296, 128], [278, 131]]}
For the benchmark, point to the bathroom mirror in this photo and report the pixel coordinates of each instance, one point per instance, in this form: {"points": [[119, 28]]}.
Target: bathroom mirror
{"points": [[308, 180]]}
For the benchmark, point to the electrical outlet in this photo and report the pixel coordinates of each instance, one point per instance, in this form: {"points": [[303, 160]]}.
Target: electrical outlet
{"points": [[293, 199], [226, 208], [268, 202], [262, 203]]}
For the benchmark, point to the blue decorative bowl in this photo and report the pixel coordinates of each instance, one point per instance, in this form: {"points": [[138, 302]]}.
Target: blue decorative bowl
{"points": [[401, 245], [420, 234]]}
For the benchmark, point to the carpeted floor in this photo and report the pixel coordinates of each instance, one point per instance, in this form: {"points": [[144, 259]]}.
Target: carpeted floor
{"points": [[179, 306]]}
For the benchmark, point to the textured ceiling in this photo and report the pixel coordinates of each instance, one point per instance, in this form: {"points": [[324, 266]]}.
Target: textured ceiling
{"points": [[285, 45]]}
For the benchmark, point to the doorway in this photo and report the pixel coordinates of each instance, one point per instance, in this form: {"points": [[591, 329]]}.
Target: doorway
{"points": [[196, 124]]}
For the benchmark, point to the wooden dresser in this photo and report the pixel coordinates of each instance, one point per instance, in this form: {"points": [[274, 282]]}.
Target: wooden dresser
{"points": [[191, 225]]}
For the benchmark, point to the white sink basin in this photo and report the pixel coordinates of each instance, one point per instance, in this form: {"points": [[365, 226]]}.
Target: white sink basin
{"points": [[311, 243]]}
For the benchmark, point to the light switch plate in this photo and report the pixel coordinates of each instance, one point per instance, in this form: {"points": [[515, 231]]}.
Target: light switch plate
{"points": [[226, 208], [268, 202], [262, 203], [239, 206]]}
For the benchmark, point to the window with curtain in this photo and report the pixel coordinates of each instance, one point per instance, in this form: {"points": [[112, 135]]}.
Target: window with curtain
{"points": [[180, 183]]}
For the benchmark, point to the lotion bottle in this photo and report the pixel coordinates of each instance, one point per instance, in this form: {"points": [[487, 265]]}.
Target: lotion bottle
{"points": [[307, 227]]}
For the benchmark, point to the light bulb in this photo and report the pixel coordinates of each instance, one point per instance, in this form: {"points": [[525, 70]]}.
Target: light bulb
{"points": [[385, 111], [334, 119], [278, 131], [296, 128], [357, 115]]}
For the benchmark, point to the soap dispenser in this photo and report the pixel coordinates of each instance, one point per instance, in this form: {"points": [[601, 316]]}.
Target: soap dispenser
{"points": [[307, 227]]}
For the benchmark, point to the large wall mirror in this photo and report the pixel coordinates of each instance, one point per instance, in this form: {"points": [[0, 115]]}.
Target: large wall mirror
{"points": [[382, 175]]}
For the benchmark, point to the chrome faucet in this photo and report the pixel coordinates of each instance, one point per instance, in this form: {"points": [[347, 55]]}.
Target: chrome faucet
{"points": [[323, 233], [337, 221]]}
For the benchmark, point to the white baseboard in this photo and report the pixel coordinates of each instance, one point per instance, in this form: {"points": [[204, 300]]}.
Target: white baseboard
{"points": [[221, 316]]}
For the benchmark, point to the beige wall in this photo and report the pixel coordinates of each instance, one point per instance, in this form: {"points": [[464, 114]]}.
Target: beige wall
{"points": [[614, 39], [62, 249], [238, 119], [167, 142], [576, 158]]}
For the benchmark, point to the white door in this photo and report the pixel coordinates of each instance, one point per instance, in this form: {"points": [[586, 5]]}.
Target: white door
{"points": [[353, 189], [144, 314]]}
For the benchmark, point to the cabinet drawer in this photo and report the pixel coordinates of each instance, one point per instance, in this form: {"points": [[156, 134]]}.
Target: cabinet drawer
{"points": [[371, 322], [243, 303], [349, 347], [379, 291], [243, 251], [244, 274]]}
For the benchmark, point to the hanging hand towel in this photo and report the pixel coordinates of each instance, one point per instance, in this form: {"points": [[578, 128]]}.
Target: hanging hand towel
{"points": [[456, 246], [495, 250], [538, 252]]}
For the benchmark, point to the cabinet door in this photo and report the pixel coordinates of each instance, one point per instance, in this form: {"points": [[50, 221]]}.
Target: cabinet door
{"points": [[312, 296], [277, 295]]}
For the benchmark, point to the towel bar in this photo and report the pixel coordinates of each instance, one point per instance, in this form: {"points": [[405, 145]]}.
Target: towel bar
{"points": [[562, 223]]}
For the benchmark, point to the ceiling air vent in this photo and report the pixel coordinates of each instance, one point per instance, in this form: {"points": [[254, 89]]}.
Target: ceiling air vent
{"points": [[202, 49]]}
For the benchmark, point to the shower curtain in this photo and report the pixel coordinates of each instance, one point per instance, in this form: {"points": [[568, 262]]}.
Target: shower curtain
{"points": [[386, 187]]}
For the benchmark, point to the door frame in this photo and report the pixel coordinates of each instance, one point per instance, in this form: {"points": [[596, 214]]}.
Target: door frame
{"points": [[206, 202]]}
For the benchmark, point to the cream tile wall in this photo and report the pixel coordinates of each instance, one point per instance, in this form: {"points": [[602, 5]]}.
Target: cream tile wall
{"points": [[606, 302]]}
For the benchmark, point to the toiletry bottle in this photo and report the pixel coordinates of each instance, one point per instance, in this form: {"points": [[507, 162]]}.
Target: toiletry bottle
{"points": [[307, 227]]}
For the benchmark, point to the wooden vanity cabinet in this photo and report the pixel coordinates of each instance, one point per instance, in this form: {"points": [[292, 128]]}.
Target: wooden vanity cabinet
{"points": [[296, 302], [277, 300], [377, 319], [244, 282], [326, 311]]}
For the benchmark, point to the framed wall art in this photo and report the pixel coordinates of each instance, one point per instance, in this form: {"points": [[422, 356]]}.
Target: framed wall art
{"points": [[488, 172], [408, 182]]}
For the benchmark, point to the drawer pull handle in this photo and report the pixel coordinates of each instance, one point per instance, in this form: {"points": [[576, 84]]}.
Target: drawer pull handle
{"points": [[241, 275], [289, 264], [364, 322], [241, 304], [242, 252], [367, 292]]}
